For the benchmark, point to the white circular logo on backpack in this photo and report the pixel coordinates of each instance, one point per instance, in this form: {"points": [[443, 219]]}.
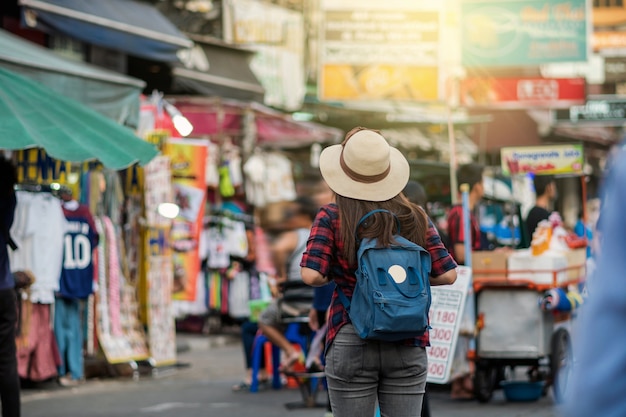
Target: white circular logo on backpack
{"points": [[397, 273]]}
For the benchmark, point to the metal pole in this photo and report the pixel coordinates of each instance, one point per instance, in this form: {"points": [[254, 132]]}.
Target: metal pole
{"points": [[452, 145]]}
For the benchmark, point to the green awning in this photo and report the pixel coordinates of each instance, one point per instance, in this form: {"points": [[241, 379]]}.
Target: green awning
{"points": [[32, 115], [109, 93]]}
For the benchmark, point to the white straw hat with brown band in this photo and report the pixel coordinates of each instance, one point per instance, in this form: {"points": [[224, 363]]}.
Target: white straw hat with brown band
{"points": [[364, 167]]}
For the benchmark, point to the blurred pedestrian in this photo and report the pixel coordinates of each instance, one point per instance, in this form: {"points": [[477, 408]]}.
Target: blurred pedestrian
{"points": [[9, 380], [462, 386], [366, 173], [546, 193], [293, 299], [415, 193], [597, 386]]}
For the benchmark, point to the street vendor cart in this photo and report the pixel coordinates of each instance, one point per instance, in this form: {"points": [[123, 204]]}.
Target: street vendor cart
{"points": [[524, 315]]}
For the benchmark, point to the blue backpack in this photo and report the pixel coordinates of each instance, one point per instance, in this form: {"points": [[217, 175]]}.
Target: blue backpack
{"points": [[391, 298]]}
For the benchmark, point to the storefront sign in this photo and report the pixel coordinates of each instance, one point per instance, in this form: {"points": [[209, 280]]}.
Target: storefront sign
{"points": [[543, 160], [614, 69], [371, 50], [188, 162], [522, 92], [609, 110], [523, 32], [446, 310], [608, 40], [277, 36]]}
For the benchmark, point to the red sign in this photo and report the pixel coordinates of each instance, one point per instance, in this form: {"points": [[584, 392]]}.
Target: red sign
{"points": [[522, 92]]}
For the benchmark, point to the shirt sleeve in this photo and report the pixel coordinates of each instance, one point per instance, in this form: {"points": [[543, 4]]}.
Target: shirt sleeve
{"points": [[441, 259], [456, 233], [320, 244]]}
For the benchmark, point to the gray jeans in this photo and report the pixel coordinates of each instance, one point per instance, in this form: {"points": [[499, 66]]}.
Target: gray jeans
{"points": [[359, 372]]}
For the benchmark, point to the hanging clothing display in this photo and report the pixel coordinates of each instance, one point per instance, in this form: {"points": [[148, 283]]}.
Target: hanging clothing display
{"points": [[77, 276], [269, 179], [38, 230], [69, 337], [37, 351]]}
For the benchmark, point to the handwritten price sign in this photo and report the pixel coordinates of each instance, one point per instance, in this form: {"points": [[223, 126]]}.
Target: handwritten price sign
{"points": [[448, 303]]}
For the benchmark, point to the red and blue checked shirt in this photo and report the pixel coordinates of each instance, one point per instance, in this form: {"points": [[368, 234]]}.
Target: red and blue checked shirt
{"points": [[456, 233], [324, 254]]}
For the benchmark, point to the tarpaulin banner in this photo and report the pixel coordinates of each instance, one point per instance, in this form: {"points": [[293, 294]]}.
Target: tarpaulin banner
{"points": [[188, 159]]}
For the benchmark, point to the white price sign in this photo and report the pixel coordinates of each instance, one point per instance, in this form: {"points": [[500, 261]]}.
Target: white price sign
{"points": [[446, 311]]}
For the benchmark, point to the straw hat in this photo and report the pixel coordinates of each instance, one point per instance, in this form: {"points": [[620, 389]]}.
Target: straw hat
{"points": [[364, 167]]}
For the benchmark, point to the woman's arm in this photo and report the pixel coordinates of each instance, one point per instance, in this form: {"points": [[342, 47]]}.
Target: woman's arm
{"points": [[446, 278], [312, 277]]}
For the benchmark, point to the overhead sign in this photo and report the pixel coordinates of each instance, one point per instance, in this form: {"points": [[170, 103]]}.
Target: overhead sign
{"points": [[608, 40], [615, 69], [522, 92], [608, 110], [372, 50], [523, 32], [543, 160]]}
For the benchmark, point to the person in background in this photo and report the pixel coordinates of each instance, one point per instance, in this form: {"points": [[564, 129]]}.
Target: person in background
{"points": [[546, 193], [416, 194], [322, 295], [462, 386], [597, 385], [9, 381], [471, 174], [287, 250], [366, 173]]}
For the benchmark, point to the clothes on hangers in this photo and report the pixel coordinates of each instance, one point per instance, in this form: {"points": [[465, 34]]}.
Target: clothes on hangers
{"points": [[39, 229], [81, 238]]}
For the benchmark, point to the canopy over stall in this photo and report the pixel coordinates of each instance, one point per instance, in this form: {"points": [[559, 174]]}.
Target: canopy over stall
{"points": [[212, 117], [32, 115], [213, 68], [111, 94], [123, 25]]}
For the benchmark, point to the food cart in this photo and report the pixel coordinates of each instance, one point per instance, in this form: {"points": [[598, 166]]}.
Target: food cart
{"points": [[525, 302]]}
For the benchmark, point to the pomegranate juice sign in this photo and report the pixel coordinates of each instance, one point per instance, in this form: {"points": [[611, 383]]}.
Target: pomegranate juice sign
{"points": [[446, 309], [543, 160]]}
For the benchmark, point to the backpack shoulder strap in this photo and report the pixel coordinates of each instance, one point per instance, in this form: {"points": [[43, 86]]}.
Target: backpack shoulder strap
{"points": [[343, 298]]}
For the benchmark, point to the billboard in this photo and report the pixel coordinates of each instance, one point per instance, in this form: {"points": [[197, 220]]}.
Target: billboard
{"points": [[522, 92], [379, 50], [517, 33], [543, 160]]}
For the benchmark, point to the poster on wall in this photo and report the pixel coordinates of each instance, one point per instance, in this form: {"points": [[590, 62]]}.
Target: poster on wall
{"points": [[159, 268], [188, 164], [372, 50], [524, 32]]}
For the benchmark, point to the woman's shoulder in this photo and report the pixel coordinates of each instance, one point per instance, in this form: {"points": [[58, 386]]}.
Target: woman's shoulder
{"points": [[330, 210]]}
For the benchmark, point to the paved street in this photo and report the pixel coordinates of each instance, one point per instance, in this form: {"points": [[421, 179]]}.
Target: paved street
{"points": [[203, 389]]}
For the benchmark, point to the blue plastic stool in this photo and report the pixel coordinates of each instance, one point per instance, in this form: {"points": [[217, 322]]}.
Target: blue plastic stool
{"points": [[293, 335]]}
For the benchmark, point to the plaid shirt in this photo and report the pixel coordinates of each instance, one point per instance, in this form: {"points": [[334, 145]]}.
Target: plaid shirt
{"points": [[324, 254], [456, 233]]}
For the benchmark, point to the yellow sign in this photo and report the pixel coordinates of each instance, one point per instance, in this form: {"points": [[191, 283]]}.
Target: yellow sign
{"points": [[379, 51], [378, 82], [543, 160]]}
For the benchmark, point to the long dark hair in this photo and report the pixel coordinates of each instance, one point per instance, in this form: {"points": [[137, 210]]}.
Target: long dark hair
{"points": [[413, 222]]}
